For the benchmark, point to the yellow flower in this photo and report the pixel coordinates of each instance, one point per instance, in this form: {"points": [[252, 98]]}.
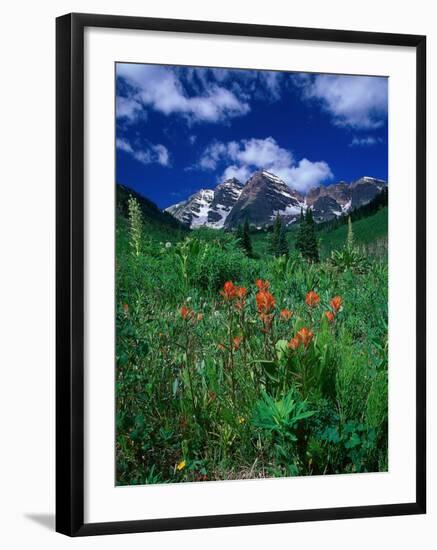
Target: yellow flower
{"points": [[241, 420], [181, 465]]}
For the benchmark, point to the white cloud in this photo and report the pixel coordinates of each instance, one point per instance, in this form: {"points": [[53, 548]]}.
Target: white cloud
{"points": [[150, 154], [366, 141], [161, 88], [242, 173], [359, 102], [129, 109], [306, 174], [241, 159]]}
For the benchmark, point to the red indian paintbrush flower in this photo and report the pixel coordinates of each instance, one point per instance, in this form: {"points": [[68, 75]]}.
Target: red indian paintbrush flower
{"points": [[312, 299], [229, 290], [329, 315], [336, 303], [237, 342], [240, 293], [305, 336], [262, 285], [294, 343], [185, 312], [265, 302], [286, 314]]}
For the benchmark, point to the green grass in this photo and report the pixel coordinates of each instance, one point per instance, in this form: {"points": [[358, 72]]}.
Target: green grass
{"points": [[209, 389], [367, 232]]}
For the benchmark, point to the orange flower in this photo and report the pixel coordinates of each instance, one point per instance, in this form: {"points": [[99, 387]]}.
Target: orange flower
{"points": [[286, 314], [336, 303], [267, 321], [329, 315], [240, 293], [229, 290], [305, 336], [265, 302], [221, 347], [125, 308], [185, 312], [294, 343], [199, 316], [312, 299], [262, 285], [237, 342]]}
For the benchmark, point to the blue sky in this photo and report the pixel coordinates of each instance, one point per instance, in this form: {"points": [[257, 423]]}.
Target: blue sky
{"points": [[179, 129]]}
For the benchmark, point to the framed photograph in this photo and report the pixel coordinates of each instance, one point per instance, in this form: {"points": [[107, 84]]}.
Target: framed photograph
{"points": [[240, 274]]}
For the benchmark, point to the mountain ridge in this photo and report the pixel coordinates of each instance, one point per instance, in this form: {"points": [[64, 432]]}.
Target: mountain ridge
{"points": [[265, 195]]}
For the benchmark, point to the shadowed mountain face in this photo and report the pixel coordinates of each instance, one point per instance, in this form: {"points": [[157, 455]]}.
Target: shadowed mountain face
{"points": [[265, 195]]}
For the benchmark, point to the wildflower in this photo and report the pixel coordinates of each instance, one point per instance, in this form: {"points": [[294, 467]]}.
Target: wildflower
{"points": [[221, 347], [293, 344], [305, 336], [229, 290], [181, 465], [265, 302], [212, 395], [312, 299], [167, 245], [267, 321], [125, 308], [240, 293], [262, 285], [286, 314], [237, 342], [185, 312], [336, 303], [241, 420], [199, 316], [329, 315]]}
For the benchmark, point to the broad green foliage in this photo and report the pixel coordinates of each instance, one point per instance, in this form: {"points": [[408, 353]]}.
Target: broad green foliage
{"points": [[232, 367]]}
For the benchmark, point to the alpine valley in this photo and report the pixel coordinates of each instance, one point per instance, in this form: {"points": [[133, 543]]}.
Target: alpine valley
{"points": [[265, 196]]}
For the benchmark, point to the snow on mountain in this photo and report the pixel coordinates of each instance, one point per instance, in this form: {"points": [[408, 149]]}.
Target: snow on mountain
{"points": [[265, 195], [208, 207]]}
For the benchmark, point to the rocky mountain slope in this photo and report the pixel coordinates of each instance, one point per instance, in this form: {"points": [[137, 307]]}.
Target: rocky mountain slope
{"points": [[265, 195]]}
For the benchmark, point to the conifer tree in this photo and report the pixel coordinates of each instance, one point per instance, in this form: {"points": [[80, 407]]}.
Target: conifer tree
{"points": [[246, 240], [274, 237], [310, 249]]}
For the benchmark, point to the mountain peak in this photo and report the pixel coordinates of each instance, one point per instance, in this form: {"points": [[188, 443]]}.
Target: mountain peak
{"points": [[265, 195]]}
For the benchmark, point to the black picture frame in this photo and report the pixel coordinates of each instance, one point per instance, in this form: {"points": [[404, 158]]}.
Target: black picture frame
{"points": [[70, 273]]}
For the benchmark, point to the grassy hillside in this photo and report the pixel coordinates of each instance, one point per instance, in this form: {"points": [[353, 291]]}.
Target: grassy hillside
{"points": [[369, 233]]}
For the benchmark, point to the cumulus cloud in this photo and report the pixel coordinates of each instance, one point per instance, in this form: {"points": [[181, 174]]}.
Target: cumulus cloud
{"points": [[162, 89], [366, 141], [359, 102], [129, 109], [241, 159], [149, 154], [307, 174]]}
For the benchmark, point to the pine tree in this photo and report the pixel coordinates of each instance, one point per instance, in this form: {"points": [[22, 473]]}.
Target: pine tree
{"points": [[310, 249], [274, 238], [246, 240]]}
